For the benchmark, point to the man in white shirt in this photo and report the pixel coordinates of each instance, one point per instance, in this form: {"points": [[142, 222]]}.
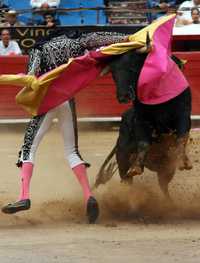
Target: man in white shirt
{"points": [[184, 11], [8, 46], [44, 3]]}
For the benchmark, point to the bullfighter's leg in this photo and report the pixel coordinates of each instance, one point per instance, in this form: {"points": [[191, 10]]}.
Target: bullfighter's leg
{"points": [[68, 125], [35, 131]]}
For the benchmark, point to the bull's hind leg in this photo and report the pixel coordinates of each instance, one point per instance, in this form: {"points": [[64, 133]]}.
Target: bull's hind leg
{"points": [[185, 163], [164, 178], [183, 126]]}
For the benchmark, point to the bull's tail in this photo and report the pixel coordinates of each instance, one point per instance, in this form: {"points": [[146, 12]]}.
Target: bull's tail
{"points": [[108, 169]]}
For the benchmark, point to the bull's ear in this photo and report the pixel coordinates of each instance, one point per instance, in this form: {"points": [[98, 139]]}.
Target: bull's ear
{"points": [[147, 47]]}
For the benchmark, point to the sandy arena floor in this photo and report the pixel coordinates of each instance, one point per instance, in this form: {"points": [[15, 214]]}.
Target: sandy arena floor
{"points": [[136, 225]]}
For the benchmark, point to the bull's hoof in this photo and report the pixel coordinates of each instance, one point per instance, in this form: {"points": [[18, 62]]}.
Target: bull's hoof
{"points": [[181, 168], [187, 165], [127, 181], [136, 170]]}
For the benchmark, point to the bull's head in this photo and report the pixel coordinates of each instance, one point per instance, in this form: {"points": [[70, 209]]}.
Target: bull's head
{"points": [[125, 71]]}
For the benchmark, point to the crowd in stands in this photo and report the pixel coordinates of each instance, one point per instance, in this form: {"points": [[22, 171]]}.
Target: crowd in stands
{"points": [[126, 12], [42, 14], [46, 13], [133, 12]]}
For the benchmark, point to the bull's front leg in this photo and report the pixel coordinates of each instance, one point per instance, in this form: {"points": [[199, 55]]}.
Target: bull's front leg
{"points": [[137, 165], [185, 163], [123, 161]]}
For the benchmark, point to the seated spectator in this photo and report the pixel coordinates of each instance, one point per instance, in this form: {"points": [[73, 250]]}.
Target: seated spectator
{"points": [[8, 46], [44, 3], [162, 5], [11, 19], [3, 8], [49, 20], [40, 8], [184, 11], [195, 18], [2, 5]]}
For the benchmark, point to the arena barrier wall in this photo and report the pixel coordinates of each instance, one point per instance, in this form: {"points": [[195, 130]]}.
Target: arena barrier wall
{"points": [[98, 100]]}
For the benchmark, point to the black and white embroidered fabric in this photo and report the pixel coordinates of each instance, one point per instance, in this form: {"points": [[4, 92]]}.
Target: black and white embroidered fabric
{"points": [[58, 50], [29, 136]]}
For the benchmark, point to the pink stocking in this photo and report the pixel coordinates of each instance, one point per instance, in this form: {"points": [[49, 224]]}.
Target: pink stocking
{"points": [[81, 174], [26, 173]]}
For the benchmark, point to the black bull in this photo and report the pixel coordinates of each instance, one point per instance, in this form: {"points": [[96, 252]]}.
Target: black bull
{"points": [[154, 136]]}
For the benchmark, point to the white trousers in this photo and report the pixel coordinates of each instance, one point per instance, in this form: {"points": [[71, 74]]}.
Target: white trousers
{"points": [[39, 126]]}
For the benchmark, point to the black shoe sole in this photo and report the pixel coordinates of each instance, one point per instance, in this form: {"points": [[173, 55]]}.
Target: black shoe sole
{"points": [[92, 210], [13, 208]]}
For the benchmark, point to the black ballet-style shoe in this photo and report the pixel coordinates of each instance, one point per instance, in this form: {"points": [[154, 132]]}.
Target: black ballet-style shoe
{"points": [[92, 210], [17, 206]]}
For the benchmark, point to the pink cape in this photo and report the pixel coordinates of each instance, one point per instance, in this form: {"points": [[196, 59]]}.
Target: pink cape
{"points": [[160, 79]]}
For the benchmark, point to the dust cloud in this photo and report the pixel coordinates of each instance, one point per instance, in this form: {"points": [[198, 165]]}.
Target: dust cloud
{"points": [[141, 202]]}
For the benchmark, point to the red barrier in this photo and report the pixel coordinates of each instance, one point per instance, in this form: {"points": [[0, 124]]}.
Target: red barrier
{"points": [[11, 65], [98, 99], [192, 73]]}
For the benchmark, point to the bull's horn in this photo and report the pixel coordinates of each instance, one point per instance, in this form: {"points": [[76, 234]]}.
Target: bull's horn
{"points": [[148, 41]]}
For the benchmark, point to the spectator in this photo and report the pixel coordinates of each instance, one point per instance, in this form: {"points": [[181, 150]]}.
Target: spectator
{"points": [[44, 3], [8, 46], [49, 20], [2, 5], [39, 6], [3, 8], [195, 18], [195, 14], [162, 5], [184, 11], [11, 19]]}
